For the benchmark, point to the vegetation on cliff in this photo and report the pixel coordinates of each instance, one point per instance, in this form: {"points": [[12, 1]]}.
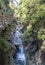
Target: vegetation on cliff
{"points": [[32, 13], [5, 8], [7, 24], [6, 20]]}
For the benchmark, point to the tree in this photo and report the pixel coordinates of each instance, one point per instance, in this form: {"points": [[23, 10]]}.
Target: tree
{"points": [[33, 13]]}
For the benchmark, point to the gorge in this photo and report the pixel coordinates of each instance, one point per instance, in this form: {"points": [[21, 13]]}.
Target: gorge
{"points": [[22, 32]]}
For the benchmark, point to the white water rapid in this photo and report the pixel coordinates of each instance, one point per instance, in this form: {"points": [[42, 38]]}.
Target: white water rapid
{"points": [[20, 58]]}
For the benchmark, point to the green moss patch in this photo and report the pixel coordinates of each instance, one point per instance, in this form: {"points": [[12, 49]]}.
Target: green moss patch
{"points": [[5, 45]]}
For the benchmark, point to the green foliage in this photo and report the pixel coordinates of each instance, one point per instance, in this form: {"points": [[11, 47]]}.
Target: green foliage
{"points": [[33, 13], [41, 34], [7, 32], [28, 33], [4, 45], [4, 8], [43, 46], [5, 36]]}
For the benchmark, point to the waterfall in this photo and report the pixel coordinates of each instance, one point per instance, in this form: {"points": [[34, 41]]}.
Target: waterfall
{"points": [[20, 58]]}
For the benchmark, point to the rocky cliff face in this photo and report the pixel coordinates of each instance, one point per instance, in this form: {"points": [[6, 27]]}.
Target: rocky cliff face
{"points": [[8, 57], [35, 55], [7, 23]]}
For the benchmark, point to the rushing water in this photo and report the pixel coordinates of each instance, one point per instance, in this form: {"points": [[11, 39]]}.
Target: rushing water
{"points": [[20, 58]]}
